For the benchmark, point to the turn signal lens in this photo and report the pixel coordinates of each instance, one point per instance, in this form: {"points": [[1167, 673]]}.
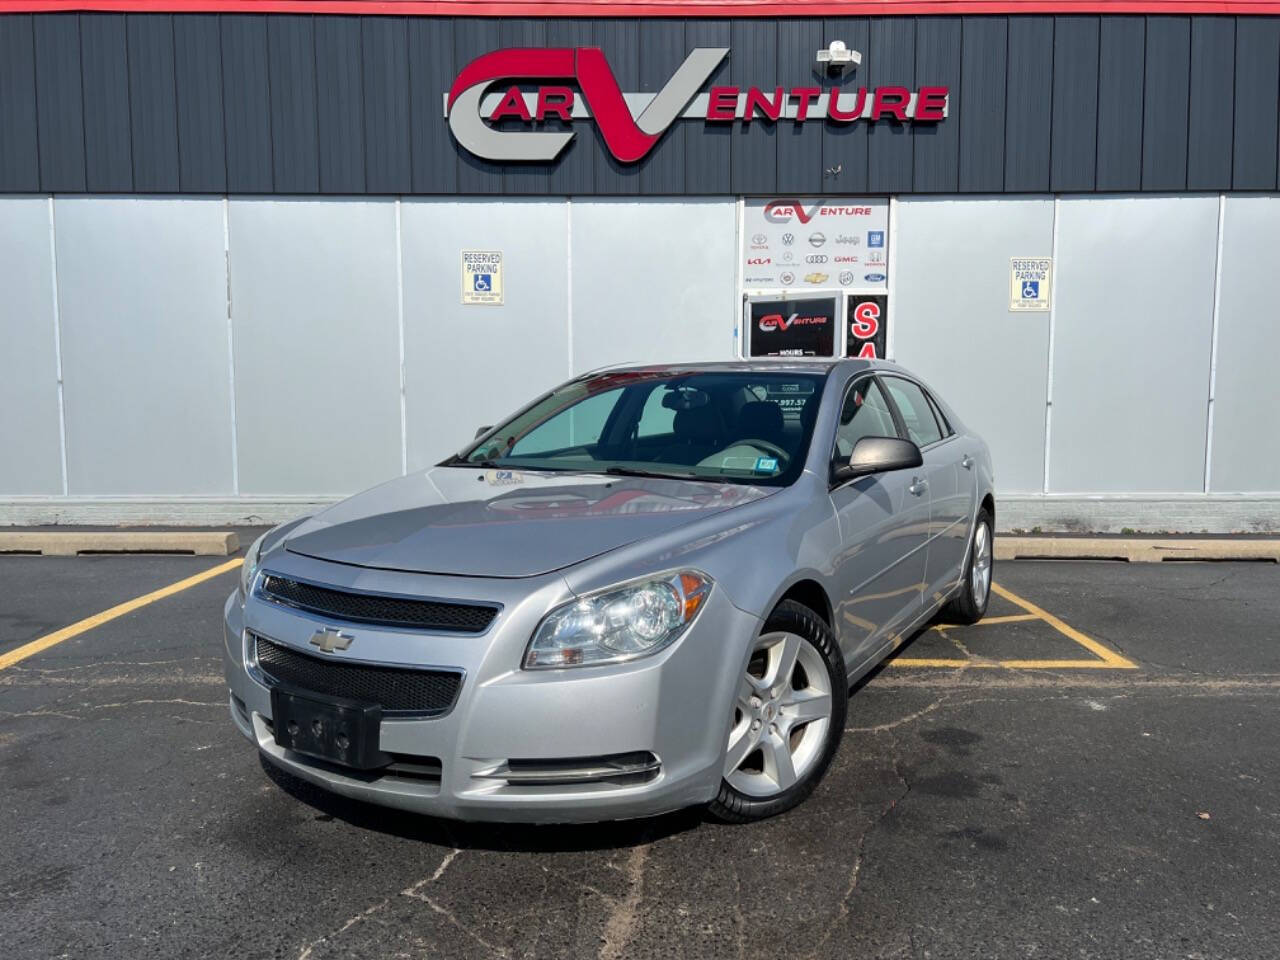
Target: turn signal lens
{"points": [[620, 623]]}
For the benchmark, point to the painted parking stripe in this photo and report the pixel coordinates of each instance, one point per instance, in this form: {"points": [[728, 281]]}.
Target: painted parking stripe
{"points": [[1107, 659], [88, 623]]}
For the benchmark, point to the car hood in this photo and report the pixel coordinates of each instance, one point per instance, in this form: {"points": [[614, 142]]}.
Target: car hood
{"points": [[504, 523]]}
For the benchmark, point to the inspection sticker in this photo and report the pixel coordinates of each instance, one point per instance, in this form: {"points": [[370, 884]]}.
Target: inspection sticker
{"points": [[1029, 282], [482, 277], [766, 464]]}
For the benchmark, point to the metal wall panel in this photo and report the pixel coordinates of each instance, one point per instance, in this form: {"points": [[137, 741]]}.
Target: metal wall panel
{"points": [[142, 289], [19, 150], [431, 68], [317, 356], [1074, 136], [1077, 103], [1209, 122], [952, 325], [1133, 307], [1165, 103], [799, 144], [653, 280], [202, 154], [246, 86], [1257, 96], [29, 429], [753, 151], [104, 66], [936, 152], [1246, 443], [153, 107], [662, 50], [340, 104], [59, 103], [513, 350], [845, 145], [983, 78], [889, 143], [295, 152], [1122, 46], [385, 52], [1030, 97]]}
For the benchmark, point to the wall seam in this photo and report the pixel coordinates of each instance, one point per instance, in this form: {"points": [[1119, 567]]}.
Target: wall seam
{"points": [[1213, 348], [890, 349], [1053, 310], [404, 418], [568, 273], [231, 348], [57, 345]]}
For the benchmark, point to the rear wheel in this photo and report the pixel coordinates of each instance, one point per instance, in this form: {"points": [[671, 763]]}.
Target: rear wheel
{"points": [[970, 605], [788, 717]]}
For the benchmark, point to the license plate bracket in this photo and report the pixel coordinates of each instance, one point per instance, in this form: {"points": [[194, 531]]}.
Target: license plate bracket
{"points": [[335, 729]]}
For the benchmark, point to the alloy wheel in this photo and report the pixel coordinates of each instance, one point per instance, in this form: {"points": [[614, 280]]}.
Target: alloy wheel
{"points": [[981, 572], [780, 717]]}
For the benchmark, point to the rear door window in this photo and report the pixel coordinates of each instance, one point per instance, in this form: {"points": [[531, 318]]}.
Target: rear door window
{"points": [[917, 414]]}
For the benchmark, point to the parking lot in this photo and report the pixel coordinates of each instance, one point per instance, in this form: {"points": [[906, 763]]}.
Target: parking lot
{"points": [[1090, 772]]}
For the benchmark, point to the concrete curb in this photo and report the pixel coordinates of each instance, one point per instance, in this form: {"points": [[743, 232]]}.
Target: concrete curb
{"points": [[69, 544], [1137, 550]]}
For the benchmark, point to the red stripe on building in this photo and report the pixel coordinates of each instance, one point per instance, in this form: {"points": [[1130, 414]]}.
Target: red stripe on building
{"points": [[651, 8]]}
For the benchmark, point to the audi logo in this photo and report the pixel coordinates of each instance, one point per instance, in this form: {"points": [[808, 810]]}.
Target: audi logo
{"points": [[816, 258]]}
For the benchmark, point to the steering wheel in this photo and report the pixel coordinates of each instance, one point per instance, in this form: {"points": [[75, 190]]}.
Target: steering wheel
{"points": [[770, 448]]}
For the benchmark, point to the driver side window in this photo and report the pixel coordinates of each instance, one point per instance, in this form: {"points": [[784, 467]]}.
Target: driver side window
{"points": [[864, 414]]}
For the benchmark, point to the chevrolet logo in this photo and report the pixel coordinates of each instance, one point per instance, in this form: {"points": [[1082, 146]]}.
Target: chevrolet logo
{"points": [[329, 640]]}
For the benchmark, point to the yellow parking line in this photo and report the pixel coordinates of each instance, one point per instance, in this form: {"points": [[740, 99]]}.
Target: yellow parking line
{"points": [[1108, 655], [66, 633]]}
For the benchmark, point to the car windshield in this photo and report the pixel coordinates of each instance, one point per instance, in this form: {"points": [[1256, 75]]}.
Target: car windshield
{"points": [[734, 426]]}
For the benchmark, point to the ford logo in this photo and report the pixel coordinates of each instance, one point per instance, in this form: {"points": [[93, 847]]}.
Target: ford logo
{"points": [[873, 277]]}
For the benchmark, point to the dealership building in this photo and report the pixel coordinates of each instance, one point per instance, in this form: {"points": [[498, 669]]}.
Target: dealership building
{"points": [[259, 254]]}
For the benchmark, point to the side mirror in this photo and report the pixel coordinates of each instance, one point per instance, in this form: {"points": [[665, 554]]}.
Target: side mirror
{"points": [[877, 455], [482, 431]]}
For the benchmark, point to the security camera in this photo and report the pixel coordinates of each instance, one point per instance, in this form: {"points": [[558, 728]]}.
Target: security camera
{"points": [[837, 58]]}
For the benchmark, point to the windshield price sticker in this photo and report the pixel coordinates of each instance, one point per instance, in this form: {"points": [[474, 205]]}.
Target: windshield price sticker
{"points": [[1029, 281], [482, 277]]}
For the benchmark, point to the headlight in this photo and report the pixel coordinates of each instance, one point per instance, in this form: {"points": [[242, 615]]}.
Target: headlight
{"points": [[621, 623], [252, 559]]}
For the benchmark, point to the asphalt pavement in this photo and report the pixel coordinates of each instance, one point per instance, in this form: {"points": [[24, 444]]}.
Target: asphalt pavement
{"points": [[1091, 773]]}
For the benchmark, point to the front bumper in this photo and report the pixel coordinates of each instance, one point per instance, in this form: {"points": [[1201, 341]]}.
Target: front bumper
{"points": [[675, 706]]}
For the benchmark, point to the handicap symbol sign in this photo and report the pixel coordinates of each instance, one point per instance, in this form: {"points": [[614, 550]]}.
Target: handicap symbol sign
{"points": [[483, 284], [1031, 289]]}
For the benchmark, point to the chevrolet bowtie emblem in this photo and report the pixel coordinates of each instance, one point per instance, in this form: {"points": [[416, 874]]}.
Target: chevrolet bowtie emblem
{"points": [[329, 640]]}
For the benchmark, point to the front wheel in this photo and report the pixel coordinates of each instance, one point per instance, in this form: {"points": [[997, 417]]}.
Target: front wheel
{"points": [[970, 604], [788, 717]]}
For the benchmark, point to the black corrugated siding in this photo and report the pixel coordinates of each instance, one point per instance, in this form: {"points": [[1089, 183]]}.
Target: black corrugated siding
{"points": [[248, 103]]}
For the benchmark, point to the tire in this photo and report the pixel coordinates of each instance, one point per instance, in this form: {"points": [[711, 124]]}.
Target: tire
{"points": [[970, 604], [773, 717]]}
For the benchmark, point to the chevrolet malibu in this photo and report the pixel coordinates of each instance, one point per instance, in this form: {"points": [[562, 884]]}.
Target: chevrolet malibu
{"points": [[651, 588]]}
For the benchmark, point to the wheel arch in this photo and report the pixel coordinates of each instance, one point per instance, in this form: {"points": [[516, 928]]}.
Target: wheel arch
{"points": [[807, 592]]}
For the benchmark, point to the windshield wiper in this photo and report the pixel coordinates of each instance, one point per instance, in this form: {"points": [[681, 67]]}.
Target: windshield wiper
{"points": [[632, 472]]}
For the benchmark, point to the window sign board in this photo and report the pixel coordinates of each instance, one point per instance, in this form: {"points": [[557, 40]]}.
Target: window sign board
{"points": [[807, 244], [482, 277], [792, 328], [1029, 281], [868, 331]]}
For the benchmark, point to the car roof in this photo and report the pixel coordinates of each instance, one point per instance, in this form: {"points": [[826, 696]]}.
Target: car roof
{"points": [[781, 365]]}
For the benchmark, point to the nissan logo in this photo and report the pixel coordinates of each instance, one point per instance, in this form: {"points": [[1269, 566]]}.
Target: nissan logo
{"points": [[817, 239]]}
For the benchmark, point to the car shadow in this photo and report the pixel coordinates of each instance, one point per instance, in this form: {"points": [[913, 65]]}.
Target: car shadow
{"points": [[512, 838]]}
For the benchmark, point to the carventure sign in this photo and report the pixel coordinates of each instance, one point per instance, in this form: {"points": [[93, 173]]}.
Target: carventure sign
{"points": [[501, 102]]}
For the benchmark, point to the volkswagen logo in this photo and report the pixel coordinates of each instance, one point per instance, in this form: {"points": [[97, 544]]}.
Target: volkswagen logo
{"points": [[788, 239]]}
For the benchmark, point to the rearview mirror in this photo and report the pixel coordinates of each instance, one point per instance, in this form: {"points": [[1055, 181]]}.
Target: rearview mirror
{"points": [[482, 431], [877, 455]]}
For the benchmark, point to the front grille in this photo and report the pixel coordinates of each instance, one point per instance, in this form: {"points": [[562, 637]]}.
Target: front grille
{"points": [[378, 608], [398, 690]]}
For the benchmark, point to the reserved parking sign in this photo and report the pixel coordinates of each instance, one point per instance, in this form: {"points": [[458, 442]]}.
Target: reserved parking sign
{"points": [[482, 277], [1029, 281]]}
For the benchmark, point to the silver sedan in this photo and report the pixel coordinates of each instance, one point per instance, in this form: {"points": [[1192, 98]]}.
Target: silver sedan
{"points": [[651, 588]]}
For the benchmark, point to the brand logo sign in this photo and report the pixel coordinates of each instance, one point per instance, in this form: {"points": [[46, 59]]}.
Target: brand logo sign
{"points": [[329, 640], [776, 321], [497, 99]]}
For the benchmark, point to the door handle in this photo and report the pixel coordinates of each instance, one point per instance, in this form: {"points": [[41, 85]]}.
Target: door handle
{"points": [[967, 462], [918, 486]]}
